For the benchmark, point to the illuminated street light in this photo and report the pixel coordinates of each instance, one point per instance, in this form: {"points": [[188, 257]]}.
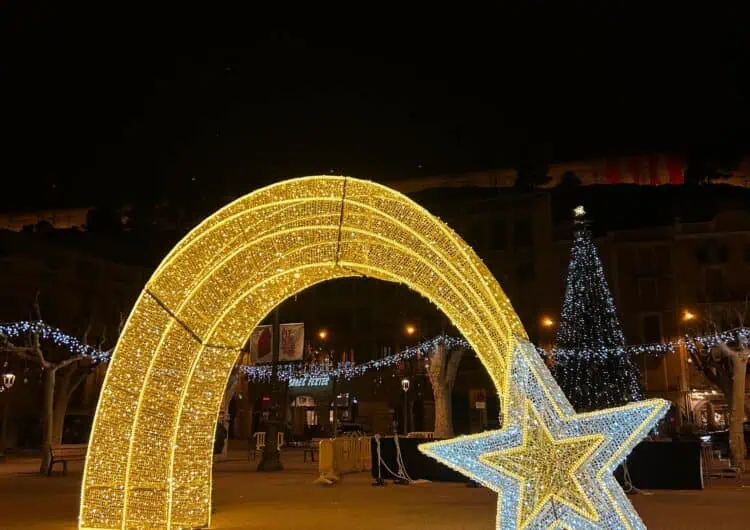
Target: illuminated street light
{"points": [[410, 329], [687, 316], [547, 322], [323, 334], [8, 380], [405, 383]]}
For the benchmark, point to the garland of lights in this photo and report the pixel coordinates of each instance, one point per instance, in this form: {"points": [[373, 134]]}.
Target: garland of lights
{"points": [[320, 374], [54, 335]]}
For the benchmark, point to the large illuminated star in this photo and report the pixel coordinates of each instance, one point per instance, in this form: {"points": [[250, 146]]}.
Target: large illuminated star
{"points": [[551, 467]]}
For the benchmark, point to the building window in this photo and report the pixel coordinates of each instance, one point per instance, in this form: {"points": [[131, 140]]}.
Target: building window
{"points": [[662, 259], [648, 292], [646, 259], [651, 328], [714, 282], [523, 236], [711, 253]]}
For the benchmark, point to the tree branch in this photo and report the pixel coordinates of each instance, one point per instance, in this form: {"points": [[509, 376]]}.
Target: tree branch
{"points": [[85, 339], [703, 368], [37, 309], [66, 362], [80, 379], [32, 353]]}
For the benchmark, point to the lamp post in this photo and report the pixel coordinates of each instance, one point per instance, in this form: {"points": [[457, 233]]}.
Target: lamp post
{"points": [[405, 383], [271, 458], [323, 335], [412, 332], [686, 319], [8, 379]]}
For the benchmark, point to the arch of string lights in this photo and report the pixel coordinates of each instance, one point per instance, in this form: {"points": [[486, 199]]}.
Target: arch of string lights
{"points": [[150, 453]]}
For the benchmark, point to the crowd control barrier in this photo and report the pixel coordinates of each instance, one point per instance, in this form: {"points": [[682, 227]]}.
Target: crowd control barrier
{"points": [[347, 454]]}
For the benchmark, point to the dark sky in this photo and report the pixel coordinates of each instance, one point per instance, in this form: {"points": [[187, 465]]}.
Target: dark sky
{"points": [[103, 106]]}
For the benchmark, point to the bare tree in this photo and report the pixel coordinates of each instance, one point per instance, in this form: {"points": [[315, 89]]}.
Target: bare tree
{"points": [[442, 373], [61, 379], [725, 366]]}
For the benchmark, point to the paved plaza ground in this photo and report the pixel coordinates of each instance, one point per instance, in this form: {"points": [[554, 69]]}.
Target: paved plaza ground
{"points": [[244, 498]]}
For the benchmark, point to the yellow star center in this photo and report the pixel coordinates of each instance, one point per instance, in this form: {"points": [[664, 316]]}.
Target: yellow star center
{"points": [[546, 468]]}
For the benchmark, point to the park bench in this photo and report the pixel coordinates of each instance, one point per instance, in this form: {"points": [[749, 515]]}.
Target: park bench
{"points": [[64, 454]]}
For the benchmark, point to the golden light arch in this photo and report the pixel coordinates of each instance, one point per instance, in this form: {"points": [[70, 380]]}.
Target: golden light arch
{"points": [[150, 454]]}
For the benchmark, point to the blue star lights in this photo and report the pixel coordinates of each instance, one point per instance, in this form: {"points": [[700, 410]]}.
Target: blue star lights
{"points": [[551, 467]]}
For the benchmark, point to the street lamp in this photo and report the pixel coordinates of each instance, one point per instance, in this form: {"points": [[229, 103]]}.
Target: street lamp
{"points": [[687, 316], [405, 383], [410, 329], [9, 380], [547, 322], [323, 334]]}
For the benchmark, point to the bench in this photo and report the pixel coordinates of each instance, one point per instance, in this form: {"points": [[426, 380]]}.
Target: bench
{"points": [[64, 454]]}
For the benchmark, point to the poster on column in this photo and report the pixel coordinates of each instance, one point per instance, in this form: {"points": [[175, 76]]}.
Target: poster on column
{"points": [[292, 343]]}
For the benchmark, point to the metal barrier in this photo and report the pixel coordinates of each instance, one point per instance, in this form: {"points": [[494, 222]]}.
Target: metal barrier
{"points": [[343, 455], [429, 435]]}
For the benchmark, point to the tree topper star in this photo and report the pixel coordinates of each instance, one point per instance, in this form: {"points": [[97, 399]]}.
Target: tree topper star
{"points": [[550, 466]]}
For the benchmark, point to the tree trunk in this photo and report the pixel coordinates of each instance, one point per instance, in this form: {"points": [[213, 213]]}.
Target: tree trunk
{"points": [[443, 411], [48, 433], [4, 428], [737, 449], [442, 372]]}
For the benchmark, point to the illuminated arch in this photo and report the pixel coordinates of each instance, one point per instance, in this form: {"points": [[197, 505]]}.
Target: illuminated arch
{"points": [[150, 454]]}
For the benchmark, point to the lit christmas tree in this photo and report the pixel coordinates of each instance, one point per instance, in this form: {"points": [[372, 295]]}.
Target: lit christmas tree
{"points": [[591, 363]]}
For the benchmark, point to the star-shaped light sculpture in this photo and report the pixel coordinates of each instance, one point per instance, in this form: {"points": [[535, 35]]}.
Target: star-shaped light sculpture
{"points": [[552, 467]]}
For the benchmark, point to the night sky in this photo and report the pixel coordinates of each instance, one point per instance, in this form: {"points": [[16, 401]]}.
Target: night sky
{"points": [[104, 106]]}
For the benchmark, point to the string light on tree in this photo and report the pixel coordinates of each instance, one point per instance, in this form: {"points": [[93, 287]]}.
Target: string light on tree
{"points": [[52, 334], [591, 363]]}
